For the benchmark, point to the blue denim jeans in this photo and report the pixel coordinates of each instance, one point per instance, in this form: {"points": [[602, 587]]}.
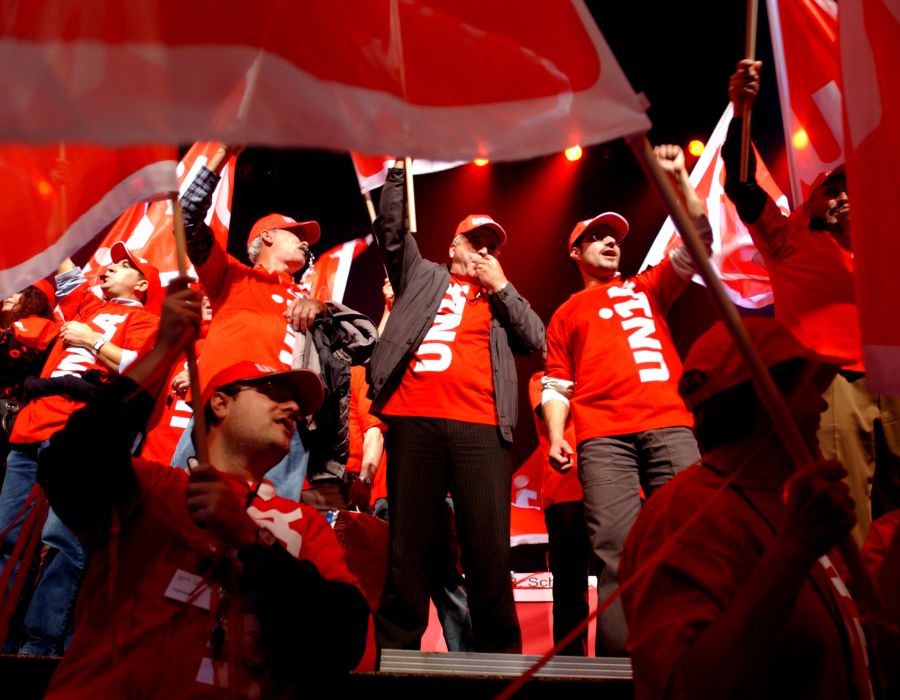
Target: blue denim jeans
{"points": [[287, 476], [611, 470], [47, 623]]}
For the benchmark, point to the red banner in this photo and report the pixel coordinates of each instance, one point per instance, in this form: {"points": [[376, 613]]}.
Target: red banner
{"points": [[870, 35], [147, 228], [804, 39], [57, 198], [326, 279], [429, 78], [734, 256], [371, 171]]}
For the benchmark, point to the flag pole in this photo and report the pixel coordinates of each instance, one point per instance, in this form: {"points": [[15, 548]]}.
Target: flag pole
{"points": [[410, 196], [199, 433], [750, 53], [772, 400]]}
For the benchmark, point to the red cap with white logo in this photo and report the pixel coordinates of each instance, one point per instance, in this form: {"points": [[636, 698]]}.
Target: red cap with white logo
{"points": [[474, 221], [304, 230]]}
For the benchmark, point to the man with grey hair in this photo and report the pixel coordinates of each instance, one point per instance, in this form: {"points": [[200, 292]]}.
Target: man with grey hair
{"points": [[256, 310]]}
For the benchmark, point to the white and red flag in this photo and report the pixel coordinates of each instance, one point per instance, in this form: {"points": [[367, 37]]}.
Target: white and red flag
{"points": [[734, 256], [424, 78], [804, 40], [869, 41], [326, 279], [55, 199], [371, 171], [147, 227]]}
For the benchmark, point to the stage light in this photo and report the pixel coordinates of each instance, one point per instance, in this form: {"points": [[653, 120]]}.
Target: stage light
{"points": [[481, 162], [574, 153], [696, 147], [44, 188], [800, 139]]}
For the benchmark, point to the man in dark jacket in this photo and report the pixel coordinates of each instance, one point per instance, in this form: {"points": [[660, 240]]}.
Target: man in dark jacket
{"points": [[444, 378]]}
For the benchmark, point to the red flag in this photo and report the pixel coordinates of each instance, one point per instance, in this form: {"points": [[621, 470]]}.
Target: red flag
{"points": [[371, 171], [734, 256], [54, 199], [146, 229], [326, 279], [428, 78], [870, 35], [804, 39]]}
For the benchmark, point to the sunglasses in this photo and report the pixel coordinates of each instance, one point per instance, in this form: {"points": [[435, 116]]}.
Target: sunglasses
{"points": [[277, 391]]}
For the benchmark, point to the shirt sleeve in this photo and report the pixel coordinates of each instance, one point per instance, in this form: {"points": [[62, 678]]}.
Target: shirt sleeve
{"points": [[559, 379]]}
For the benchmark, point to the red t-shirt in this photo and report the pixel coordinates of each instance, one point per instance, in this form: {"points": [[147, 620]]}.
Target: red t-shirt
{"points": [[613, 342], [248, 322], [812, 282], [361, 419], [162, 641], [450, 374], [169, 418], [556, 487], [35, 332], [129, 326]]}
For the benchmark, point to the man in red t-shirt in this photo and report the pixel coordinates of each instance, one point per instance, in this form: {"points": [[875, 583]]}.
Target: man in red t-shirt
{"points": [[256, 310], [203, 584], [610, 354], [99, 338], [443, 375], [809, 257]]}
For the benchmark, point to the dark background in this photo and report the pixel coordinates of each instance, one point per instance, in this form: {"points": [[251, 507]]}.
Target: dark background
{"points": [[679, 55]]}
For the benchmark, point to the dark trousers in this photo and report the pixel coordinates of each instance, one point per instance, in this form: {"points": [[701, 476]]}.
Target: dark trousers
{"points": [[611, 470], [569, 556], [426, 458]]}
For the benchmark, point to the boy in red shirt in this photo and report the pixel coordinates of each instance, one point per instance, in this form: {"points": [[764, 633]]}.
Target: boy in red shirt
{"points": [[99, 338]]}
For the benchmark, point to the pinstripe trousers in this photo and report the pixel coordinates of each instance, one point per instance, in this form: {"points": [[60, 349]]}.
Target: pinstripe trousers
{"points": [[427, 457]]}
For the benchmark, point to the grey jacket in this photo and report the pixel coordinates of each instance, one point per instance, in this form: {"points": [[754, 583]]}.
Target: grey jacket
{"points": [[419, 286]]}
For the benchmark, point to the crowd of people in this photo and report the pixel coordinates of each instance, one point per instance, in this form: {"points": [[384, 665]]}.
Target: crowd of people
{"points": [[199, 562]]}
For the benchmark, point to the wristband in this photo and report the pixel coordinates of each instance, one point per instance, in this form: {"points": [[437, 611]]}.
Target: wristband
{"points": [[99, 343]]}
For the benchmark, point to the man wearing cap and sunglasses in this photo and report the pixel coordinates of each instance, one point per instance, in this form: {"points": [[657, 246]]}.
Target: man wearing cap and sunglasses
{"points": [[256, 310], [611, 360], [737, 586], [809, 257], [99, 338], [443, 376], [205, 580]]}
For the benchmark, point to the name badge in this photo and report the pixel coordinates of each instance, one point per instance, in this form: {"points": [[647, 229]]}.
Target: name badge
{"points": [[187, 587]]}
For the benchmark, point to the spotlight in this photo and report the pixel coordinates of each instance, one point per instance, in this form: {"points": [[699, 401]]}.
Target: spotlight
{"points": [[481, 162], [800, 139], [696, 147], [574, 153]]}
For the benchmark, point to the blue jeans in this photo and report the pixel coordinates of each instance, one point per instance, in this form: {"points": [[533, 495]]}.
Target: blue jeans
{"points": [[47, 624], [611, 469], [287, 476]]}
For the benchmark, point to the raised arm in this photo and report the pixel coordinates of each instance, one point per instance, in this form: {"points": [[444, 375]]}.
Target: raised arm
{"points": [[399, 251]]}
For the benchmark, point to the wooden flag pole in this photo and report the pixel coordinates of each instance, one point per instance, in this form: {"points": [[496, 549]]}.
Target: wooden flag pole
{"points": [[370, 206], [750, 53], [782, 420], [410, 196], [199, 433]]}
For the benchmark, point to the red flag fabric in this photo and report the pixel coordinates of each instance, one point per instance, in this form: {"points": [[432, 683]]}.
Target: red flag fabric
{"points": [[54, 199], [870, 35], [326, 279], [146, 228], [734, 256], [804, 40], [429, 78], [371, 171]]}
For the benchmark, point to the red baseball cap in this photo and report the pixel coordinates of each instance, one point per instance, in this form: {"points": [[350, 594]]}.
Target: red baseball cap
{"points": [[48, 290], [714, 363], [616, 222], [153, 298], [305, 385], [839, 173], [474, 221], [304, 230]]}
